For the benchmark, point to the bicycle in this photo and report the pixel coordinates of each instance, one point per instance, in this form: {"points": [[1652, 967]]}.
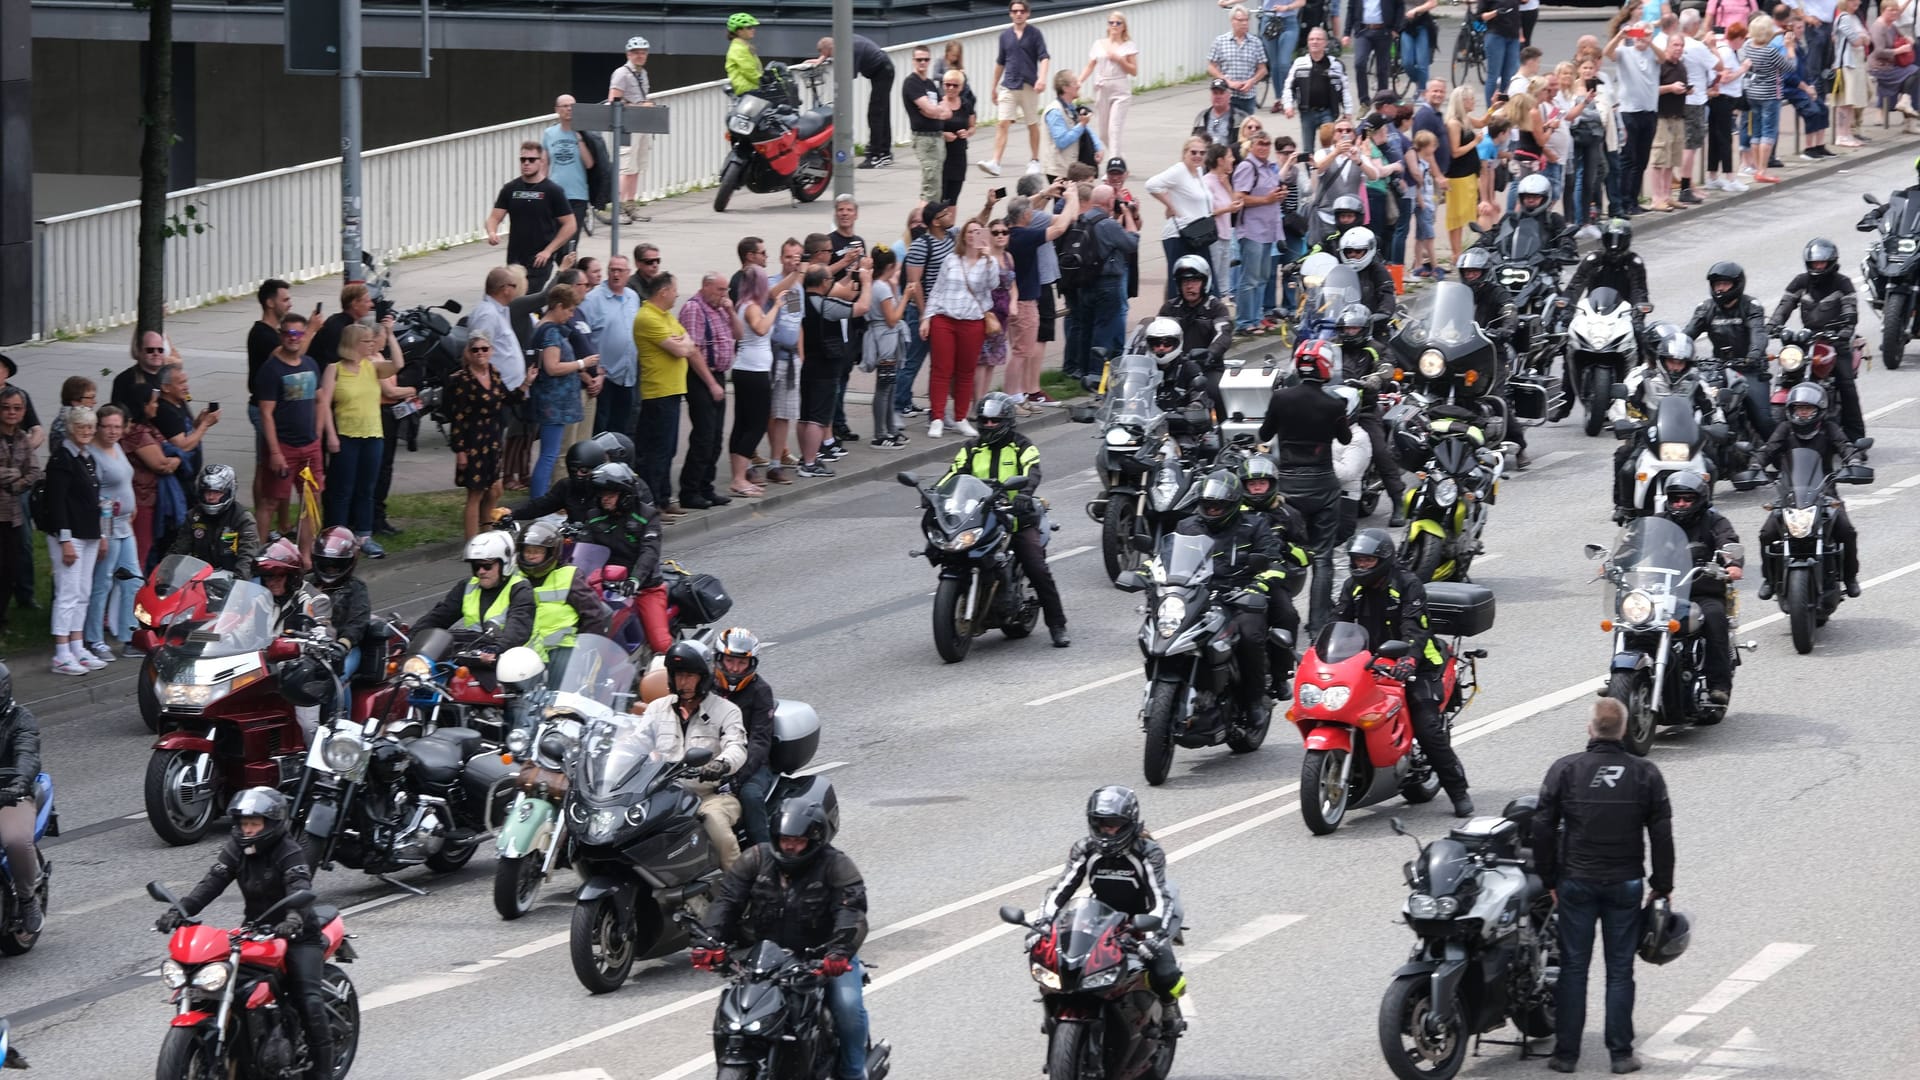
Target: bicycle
{"points": [[1469, 67]]}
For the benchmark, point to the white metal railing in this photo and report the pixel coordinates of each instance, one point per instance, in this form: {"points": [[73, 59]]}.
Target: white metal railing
{"points": [[435, 192]]}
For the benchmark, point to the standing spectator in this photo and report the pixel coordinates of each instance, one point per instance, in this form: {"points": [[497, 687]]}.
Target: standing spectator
{"points": [[1816, 43], [1425, 188], [610, 308], [1019, 71], [1179, 189], [1418, 35], [1702, 72], [1068, 139], [1724, 111], [1112, 62], [493, 316], [349, 412], [926, 119], [1217, 178], [1503, 43], [953, 57], [752, 252], [476, 402], [871, 63], [18, 471], [1371, 27], [539, 217], [630, 85], [847, 248], [1588, 849], [915, 353], [75, 540], [110, 603], [921, 269], [1463, 172], [713, 322], [569, 160], [75, 391], [263, 337], [1261, 182], [1590, 129], [1316, 89], [287, 388], [356, 305], [1429, 116], [392, 394], [182, 430], [1027, 239], [159, 501], [824, 352], [954, 131], [135, 388], [1238, 58], [759, 307], [954, 323], [884, 342], [24, 584], [1280, 36], [1047, 258], [646, 267], [1637, 77], [790, 296], [1723, 14], [664, 349], [1766, 71], [557, 383], [1104, 302], [1849, 55], [1529, 16], [993, 347]]}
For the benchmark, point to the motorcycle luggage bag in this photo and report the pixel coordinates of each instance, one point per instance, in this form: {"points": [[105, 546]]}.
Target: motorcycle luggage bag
{"points": [[1459, 610], [701, 598], [796, 736]]}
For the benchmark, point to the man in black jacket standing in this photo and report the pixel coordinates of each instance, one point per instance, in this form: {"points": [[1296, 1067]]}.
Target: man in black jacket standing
{"points": [[1587, 845], [1307, 422]]}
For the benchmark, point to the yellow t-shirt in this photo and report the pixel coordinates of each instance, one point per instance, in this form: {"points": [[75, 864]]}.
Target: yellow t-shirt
{"points": [[356, 402], [662, 374]]}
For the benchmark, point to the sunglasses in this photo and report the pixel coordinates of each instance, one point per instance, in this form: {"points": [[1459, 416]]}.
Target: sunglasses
{"points": [[478, 565], [649, 262], [923, 59], [998, 232], [479, 350], [295, 334], [154, 352]]}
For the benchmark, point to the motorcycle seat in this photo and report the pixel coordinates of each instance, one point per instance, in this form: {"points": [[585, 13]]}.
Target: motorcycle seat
{"points": [[435, 761], [814, 122], [465, 740], [325, 913]]}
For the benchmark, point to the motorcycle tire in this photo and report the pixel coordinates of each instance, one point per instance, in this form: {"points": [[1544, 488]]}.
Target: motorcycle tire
{"points": [[1410, 1052], [730, 178], [313, 846], [187, 1052], [950, 638], [1069, 1057], [1423, 790], [1157, 762], [1630, 688], [516, 884], [343, 1015], [1893, 329], [1116, 539], [1599, 396], [1323, 799], [1424, 555], [808, 192], [17, 943], [734, 1072], [1027, 615], [1803, 608], [451, 858], [1248, 739], [147, 697], [176, 824], [601, 968]]}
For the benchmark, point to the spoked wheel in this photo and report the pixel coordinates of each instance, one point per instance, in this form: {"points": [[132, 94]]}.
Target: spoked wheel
{"points": [[1599, 396], [1116, 539], [952, 630], [1323, 793], [1069, 1055], [516, 884], [1893, 329], [602, 956], [1412, 1051], [1803, 609], [1634, 689], [1159, 753], [342, 1003], [178, 808]]}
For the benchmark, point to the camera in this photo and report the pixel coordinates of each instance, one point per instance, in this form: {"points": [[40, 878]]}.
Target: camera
{"points": [[382, 309], [1082, 110]]}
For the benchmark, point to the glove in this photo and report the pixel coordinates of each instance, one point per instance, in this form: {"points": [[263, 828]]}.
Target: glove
{"points": [[13, 793], [1404, 668], [709, 959], [1024, 508], [288, 927], [836, 965], [713, 770], [169, 921]]}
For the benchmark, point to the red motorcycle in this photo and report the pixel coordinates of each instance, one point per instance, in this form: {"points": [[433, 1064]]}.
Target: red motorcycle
{"points": [[776, 146], [228, 987], [1344, 685], [1807, 355], [176, 589]]}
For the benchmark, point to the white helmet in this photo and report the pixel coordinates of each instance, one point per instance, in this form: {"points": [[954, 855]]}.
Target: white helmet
{"points": [[1164, 339], [636, 42], [491, 544], [1533, 186], [1192, 266], [1358, 239]]}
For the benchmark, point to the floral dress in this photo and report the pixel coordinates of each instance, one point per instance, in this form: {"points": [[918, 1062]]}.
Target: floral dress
{"points": [[474, 419], [993, 351]]}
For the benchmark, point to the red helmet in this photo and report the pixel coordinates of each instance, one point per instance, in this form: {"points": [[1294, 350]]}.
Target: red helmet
{"points": [[334, 554], [281, 559], [1314, 360]]}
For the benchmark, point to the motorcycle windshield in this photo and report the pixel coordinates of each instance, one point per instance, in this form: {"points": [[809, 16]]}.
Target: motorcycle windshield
{"points": [[240, 619], [587, 557], [174, 572], [1650, 559], [961, 501], [1675, 420], [1521, 241], [1132, 393], [1089, 933], [617, 753], [1903, 220], [1800, 482], [1340, 287], [1185, 560], [750, 107], [1340, 641], [1443, 317], [1446, 864], [595, 669], [1604, 300]]}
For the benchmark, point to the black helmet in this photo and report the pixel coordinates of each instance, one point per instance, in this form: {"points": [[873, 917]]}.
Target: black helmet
{"points": [[1533, 186], [1347, 204], [736, 641], [1694, 490], [1354, 325], [335, 553], [804, 819], [1374, 544], [1664, 932], [1220, 498], [1475, 267], [582, 458], [995, 417], [686, 657], [1113, 818], [1731, 272], [261, 802], [1806, 407], [1822, 259], [543, 537], [1259, 468], [616, 446], [218, 481], [617, 476], [1163, 339], [1616, 237]]}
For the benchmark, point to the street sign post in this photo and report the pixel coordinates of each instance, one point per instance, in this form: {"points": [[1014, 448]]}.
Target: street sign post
{"points": [[620, 120]]}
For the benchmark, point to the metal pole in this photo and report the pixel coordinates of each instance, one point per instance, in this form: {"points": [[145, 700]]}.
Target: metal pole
{"points": [[843, 98], [350, 200], [615, 147]]}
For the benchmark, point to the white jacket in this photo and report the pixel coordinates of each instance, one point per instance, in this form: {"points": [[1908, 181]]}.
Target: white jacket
{"points": [[716, 725]]}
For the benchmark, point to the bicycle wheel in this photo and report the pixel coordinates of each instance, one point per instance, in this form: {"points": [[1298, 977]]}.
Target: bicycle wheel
{"points": [[1469, 58]]}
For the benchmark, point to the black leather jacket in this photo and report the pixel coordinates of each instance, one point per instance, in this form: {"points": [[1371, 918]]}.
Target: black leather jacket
{"points": [[755, 701], [1627, 276], [1493, 309], [19, 749], [1208, 325], [1830, 308], [1235, 546], [1133, 881], [1605, 798], [352, 609], [1828, 439], [267, 876], [1739, 333], [632, 539], [1394, 610], [1707, 533], [823, 904]]}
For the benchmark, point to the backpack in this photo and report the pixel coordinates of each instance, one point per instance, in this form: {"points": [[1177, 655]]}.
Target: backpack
{"points": [[1079, 255]]}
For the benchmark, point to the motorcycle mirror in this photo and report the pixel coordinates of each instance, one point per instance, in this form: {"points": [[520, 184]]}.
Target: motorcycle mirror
{"points": [[697, 757], [1869, 198], [1863, 443], [160, 892], [1619, 391], [1857, 474], [1282, 638], [1131, 581], [1148, 924], [1595, 551], [1394, 650], [451, 307], [1733, 553], [124, 574], [1016, 483], [907, 479], [1012, 915], [1477, 229]]}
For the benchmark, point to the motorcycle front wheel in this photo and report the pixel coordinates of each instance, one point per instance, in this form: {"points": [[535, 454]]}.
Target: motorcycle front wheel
{"points": [[187, 1054], [516, 884], [1599, 396], [1893, 329], [952, 630], [730, 177], [1069, 1057], [1412, 1052], [1116, 538], [602, 957], [175, 817], [1634, 690], [1803, 608], [1159, 756], [1323, 797]]}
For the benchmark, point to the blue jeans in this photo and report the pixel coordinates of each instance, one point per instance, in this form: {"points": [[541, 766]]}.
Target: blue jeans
{"points": [[655, 438], [351, 476], [849, 1022], [1256, 268], [615, 409], [1616, 908], [1375, 46], [753, 805], [1397, 246], [542, 477], [1280, 49], [1503, 62], [1310, 121], [1765, 119], [1109, 316], [915, 355], [121, 552], [1416, 53]]}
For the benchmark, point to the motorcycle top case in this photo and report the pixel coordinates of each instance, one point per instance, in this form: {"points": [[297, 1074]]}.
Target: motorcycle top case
{"points": [[700, 597], [796, 736], [1459, 610]]}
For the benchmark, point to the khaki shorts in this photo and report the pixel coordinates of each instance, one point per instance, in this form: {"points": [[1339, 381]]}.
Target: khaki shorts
{"points": [[1669, 139], [1020, 106], [633, 156]]}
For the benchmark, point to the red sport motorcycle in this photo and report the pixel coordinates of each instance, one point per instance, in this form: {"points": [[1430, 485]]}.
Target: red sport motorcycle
{"points": [[775, 145], [230, 986], [1350, 703], [176, 589]]}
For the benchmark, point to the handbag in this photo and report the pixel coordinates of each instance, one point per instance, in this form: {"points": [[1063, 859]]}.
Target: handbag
{"points": [[1200, 234], [988, 319], [1271, 25]]}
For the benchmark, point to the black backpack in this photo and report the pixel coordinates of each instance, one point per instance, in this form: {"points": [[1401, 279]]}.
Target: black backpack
{"points": [[1080, 257]]}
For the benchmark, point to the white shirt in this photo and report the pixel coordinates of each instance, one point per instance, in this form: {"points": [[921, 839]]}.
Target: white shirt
{"points": [[1700, 62], [1736, 86], [1189, 196], [1819, 9], [491, 316]]}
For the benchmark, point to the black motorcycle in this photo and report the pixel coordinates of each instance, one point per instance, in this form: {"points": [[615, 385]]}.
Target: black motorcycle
{"points": [[1132, 434], [1192, 696], [1892, 270], [1443, 357], [1529, 269], [434, 348], [1806, 567], [1458, 478], [775, 146], [969, 529], [772, 1022], [1487, 953], [1103, 1020], [1733, 451]]}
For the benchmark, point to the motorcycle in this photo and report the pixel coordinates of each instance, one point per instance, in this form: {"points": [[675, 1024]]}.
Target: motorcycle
{"points": [[1675, 442], [1441, 356], [447, 680], [969, 530], [1488, 952], [1529, 269], [234, 1017], [1659, 636], [1131, 418], [1806, 566], [1601, 348], [773, 145], [772, 1022], [175, 589], [1891, 270], [1810, 354], [1103, 1020], [1729, 389], [46, 822], [1187, 639], [1352, 711], [433, 348], [1457, 481]]}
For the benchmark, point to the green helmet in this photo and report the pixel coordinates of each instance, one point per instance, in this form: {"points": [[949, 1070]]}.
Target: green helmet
{"points": [[740, 20]]}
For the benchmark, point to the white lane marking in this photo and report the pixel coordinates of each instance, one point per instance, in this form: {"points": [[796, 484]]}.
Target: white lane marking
{"points": [[815, 770], [1741, 1052], [1238, 938], [1765, 964], [141, 816], [1908, 482], [1888, 407], [378, 901], [1864, 503], [1070, 553], [597, 1035], [535, 946], [577, 1074], [1130, 673], [478, 966], [413, 988], [1488, 557]]}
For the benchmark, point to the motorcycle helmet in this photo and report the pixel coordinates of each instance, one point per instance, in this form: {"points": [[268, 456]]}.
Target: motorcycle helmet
{"points": [[739, 642], [492, 546], [1259, 471], [1354, 325], [1475, 267], [1374, 545], [543, 538], [617, 446], [1671, 346], [1220, 499], [1821, 257], [1113, 819], [805, 820], [617, 477], [995, 417], [335, 552], [1347, 210], [636, 42], [1313, 360], [582, 458], [740, 20], [1191, 268], [1806, 407], [1664, 932], [265, 803], [1534, 195], [1687, 497], [1163, 339], [1731, 274], [279, 569], [1357, 247], [686, 658], [217, 484], [1616, 237]]}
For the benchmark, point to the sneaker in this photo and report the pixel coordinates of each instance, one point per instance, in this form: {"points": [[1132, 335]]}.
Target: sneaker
{"points": [[831, 452], [900, 438], [1808, 154], [1716, 184], [912, 411], [87, 660], [1734, 187], [1687, 196], [815, 471], [130, 652], [1819, 153], [1746, 170], [779, 474], [1042, 399], [1774, 162], [936, 429], [787, 458], [759, 462], [1626, 1064], [990, 167], [102, 650], [371, 548], [32, 919], [66, 667], [1562, 1065], [1033, 167], [965, 429]]}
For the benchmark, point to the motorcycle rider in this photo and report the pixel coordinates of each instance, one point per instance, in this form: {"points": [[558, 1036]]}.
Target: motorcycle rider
{"points": [[998, 454], [284, 579], [279, 571], [1737, 326], [1370, 371], [566, 605], [19, 766], [801, 892], [1533, 200], [629, 529], [1308, 422], [1391, 604], [1828, 307], [1614, 266], [1206, 323], [335, 555], [1808, 426], [1345, 213], [1124, 867], [1185, 391], [1260, 480], [1690, 506], [1494, 313], [271, 866], [1672, 374], [574, 493], [218, 529], [1360, 249], [1249, 558], [691, 715], [736, 677], [495, 599]]}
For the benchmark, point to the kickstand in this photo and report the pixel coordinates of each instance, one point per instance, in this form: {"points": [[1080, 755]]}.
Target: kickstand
{"points": [[402, 886]]}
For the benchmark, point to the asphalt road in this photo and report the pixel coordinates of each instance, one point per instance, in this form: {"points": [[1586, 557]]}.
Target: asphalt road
{"points": [[962, 786]]}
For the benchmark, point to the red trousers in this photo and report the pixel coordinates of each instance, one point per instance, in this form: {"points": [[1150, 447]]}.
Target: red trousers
{"points": [[955, 345]]}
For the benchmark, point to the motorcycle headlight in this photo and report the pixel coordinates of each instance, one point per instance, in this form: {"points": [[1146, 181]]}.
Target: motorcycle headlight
{"points": [[1433, 364], [1906, 246], [636, 814], [1045, 976], [1799, 522], [1447, 491], [740, 125], [200, 695], [1100, 978], [1168, 617], [1336, 697], [556, 747], [172, 974], [601, 824], [1675, 452], [962, 542], [345, 754], [1515, 275], [1120, 436], [1422, 906], [1637, 608], [1311, 695], [212, 978], [518, 741], [417, 666], [1792, 358]]}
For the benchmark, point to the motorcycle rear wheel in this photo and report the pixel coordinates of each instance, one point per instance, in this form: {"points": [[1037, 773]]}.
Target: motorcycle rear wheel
{"points": [[1893, 329], [1027, 615], [950, 639], [1631, 689], [807, 192], [177, 823], [1248, 739], [1068, 1055], [451, 858], [1158, 759], [730, 177], [343, 1015], [1410, 1052], [600, 963], [1425, 553], [1116, 538], [1323, 798], [1803, 608], [1599, 396], [516, 884], [1422, 790]]}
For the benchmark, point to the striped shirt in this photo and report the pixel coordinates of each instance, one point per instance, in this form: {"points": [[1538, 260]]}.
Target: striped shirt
{"points": [[930, 253], [1763, 78]]}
